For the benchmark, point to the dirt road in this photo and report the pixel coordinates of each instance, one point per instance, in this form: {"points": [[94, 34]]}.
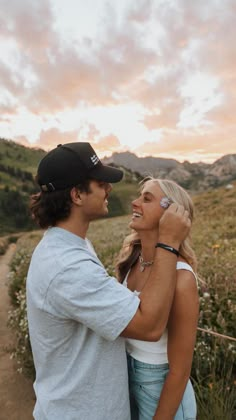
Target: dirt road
{"points": [[16, 392]]}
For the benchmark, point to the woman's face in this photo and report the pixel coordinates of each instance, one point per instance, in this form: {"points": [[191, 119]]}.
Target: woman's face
{"points": [[147, 208]]}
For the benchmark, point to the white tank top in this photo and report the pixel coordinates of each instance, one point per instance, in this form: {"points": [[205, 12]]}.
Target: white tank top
{"points": [[152, 352]]}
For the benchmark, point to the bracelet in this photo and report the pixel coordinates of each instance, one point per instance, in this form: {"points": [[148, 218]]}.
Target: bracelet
{"points": [[167, 248]]}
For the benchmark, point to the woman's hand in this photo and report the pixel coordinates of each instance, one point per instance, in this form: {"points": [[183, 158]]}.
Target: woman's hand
{"points": [[174, 225]]}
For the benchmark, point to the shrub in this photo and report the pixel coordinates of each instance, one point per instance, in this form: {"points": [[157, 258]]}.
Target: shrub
{"points": [[17, 318], [3, 245]]}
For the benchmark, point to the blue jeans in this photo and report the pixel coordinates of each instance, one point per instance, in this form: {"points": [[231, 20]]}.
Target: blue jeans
{"points": [[145, 384]]}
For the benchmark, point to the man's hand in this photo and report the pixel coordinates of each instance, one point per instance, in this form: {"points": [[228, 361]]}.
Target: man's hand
{"points": [[174, 225]]}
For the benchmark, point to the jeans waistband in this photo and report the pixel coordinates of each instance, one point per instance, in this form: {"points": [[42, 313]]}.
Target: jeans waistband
{"points": [[134, 363]]}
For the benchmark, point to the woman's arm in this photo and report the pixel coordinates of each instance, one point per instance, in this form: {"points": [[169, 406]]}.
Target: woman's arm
{"points": [[182, 326]]}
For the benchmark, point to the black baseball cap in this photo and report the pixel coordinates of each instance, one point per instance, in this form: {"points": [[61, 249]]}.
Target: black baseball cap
{"points": [[69, 164]]}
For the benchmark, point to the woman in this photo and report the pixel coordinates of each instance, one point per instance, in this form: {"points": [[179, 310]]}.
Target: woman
{"points": [[159, 371]]}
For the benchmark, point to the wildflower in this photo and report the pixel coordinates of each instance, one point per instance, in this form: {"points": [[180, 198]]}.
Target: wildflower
{"points": [[215, 248], [206, 295]]}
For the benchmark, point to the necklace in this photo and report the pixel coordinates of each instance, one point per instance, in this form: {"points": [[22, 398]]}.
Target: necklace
{"points": [[144, 264]]}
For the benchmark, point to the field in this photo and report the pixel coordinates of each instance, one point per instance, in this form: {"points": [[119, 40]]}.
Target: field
{"points": [[214, 239]]}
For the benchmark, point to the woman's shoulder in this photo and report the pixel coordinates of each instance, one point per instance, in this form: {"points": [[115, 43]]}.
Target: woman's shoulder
{"points": [[183, 265]]}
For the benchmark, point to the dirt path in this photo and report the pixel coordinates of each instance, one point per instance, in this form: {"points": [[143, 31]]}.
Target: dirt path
{"points": [[16, 392]]}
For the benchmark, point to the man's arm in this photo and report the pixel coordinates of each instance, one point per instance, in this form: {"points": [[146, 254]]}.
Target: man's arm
{"points": [[150, 320]]}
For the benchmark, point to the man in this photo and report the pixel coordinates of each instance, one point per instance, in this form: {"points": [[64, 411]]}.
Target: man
{"points": [[78, 315]]}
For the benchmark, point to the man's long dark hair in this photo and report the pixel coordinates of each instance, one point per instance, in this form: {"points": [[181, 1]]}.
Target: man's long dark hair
{"points": [[48, 208]]}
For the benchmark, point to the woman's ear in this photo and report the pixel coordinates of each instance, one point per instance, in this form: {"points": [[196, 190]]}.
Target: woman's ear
{"points": [[75, 194]]}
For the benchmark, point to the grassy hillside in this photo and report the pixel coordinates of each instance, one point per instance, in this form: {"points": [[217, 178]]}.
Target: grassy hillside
{"points": [[17, 169], [21, 157], [18, 166]]}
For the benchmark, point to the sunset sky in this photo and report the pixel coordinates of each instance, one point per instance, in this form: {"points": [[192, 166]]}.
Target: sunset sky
{"points": [[153, 77]]}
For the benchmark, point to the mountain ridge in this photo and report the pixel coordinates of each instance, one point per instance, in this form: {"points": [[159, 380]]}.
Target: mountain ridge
{"points": [[193, 176]]}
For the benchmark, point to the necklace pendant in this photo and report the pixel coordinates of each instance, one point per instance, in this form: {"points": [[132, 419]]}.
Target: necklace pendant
{"points": [[142, 268]]}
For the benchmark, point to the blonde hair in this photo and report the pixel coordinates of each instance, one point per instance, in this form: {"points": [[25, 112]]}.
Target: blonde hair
{"points": [[132, 246]]}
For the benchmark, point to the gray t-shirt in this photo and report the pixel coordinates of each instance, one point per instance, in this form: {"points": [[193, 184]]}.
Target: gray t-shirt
{"points": [[76, 313]]}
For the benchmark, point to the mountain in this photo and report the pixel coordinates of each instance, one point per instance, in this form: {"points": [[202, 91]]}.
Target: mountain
{"points": [[141, 165], [193, 176]]}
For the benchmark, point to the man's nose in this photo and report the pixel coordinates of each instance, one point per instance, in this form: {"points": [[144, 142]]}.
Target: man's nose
{"points": [[108, 187]]}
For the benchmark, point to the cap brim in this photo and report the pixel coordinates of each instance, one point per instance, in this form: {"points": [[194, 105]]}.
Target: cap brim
{"points": [[106, 174]]}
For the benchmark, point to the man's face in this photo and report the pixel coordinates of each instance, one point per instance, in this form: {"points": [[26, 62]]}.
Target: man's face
{"points": [[95, 202]]}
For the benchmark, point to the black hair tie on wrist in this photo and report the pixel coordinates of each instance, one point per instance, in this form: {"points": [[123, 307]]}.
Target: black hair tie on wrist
{"points": [[167, 248]]}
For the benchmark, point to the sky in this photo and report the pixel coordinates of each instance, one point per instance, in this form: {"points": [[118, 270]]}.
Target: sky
{"points": [[152, 77]]}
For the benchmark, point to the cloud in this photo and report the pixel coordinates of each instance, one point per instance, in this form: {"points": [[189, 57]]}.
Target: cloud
{"points": [[92, 133], [197, 37], [188, 142], [167, 117], [10, 87], [22, 140], [7, 111], [61, 75], [28, 23], [51, 138], [108, 144], [143, 55], [140, 11]]}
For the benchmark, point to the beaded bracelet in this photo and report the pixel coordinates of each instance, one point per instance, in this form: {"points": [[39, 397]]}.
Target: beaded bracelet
{"points": [[167, 248]]}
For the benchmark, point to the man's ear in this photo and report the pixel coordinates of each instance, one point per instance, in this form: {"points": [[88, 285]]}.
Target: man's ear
{"points": [[75, 194]]}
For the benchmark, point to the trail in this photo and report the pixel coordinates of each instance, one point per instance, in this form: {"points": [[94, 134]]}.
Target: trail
{"points": [[16, 392]]}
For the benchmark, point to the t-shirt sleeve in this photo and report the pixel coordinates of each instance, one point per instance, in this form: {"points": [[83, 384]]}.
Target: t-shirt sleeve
{"points": [[85, 293]]}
